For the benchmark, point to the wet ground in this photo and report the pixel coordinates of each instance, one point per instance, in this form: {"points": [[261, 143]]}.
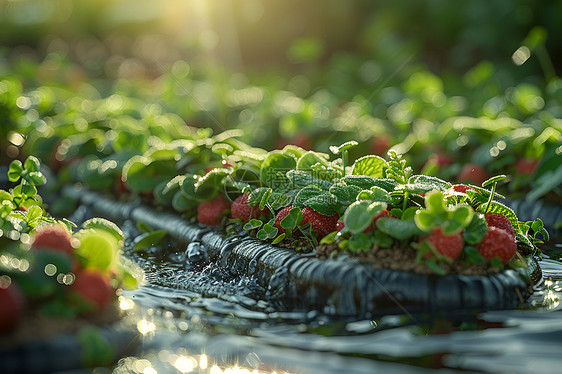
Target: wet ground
{"points": [[229, 327]]}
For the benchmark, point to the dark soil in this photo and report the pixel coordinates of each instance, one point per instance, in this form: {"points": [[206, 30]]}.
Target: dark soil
{"points": [[404, 259]]}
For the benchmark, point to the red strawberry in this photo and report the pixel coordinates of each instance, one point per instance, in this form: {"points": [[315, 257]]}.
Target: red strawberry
{"points": [[53, 237], [379, 145], [500, 221], [462, 188], [472, 173], [242, 210], [526, 167], [441, 159], [94, 289], [279, 217], [339, 225], [12, 303], [319, 222], [449, 246], [497, 243], [120, 188], [210, 212], [384, 213]]}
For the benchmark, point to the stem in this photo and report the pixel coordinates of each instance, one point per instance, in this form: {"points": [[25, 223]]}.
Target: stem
{"points": [[344, 160], [405, 203], [492, 193]]}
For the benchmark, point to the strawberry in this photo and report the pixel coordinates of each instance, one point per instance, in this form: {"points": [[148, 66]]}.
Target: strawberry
{"points": [[210, 212], [441, 159], [339, 225], [242, 210], [53, 237], [384, 213], [279, 217], [12, 303], [462, 188], [499, 221], [526, 167], [379, 145], [472, 173], [319, 222], [497, 243], [449, 246], [93, 288]]}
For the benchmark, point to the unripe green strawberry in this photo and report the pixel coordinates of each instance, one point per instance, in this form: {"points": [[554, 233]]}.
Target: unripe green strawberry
{"points": [[497, 243]]}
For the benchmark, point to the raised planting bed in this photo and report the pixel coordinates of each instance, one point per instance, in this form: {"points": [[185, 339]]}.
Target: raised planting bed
{"points": [[344, 286]]}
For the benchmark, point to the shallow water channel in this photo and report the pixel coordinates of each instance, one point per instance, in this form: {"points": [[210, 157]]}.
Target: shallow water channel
{"points": [[202, 319]]}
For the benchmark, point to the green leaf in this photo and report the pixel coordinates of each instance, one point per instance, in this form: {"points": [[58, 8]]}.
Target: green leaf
{"points": [[183, 203], [278, 239], [320, 201], [427, 183], [292, 220], [476, 230], [32, 164], [267, 232], [375, 194], [462, 215], [360, 181], [275, 167], [36, 178], [143, 227], [103, 224], [371, 166], [210, 184], [265, 198], [345, 194], [397, 228], [493, 180], [15, 170], [253, 224], [98, 249], [150, 240], [300, 179], [359, 215], [309, 159], [343, 147], [34, 213], [425, 220], [473, 255]]}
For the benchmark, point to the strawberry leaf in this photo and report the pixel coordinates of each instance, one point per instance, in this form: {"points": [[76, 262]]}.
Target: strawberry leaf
{"points": [[267, 232], [344, 194], [274, 168], [426, 183], [292, 220], [359, 215], [371, 166], [397, 228], [253, 224], [300, 179], [476, 230]]}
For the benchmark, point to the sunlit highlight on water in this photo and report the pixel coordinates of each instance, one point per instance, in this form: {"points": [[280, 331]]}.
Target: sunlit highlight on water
{"points": [[145, 326], [125, 304]]}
